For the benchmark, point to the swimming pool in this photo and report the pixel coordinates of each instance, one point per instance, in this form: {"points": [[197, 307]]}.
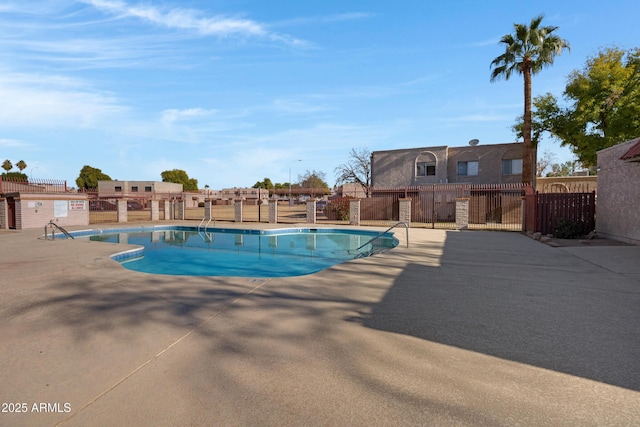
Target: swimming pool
{"points": [[185, 251]]}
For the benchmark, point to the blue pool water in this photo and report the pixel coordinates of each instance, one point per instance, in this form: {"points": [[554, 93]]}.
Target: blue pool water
{"points": [[249, 253]]}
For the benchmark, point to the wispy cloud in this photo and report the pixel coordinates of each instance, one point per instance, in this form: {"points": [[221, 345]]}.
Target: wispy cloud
{"points": [[488, 42], [12, 143], [474, 118], [323, 19], [174, 115], [292, 106], [48, 101], [193, 20]]}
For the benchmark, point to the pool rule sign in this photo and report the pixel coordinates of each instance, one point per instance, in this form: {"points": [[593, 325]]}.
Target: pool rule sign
{"points": [[77, 205]]}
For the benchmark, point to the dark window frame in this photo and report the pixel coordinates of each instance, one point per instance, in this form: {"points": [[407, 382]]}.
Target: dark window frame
{"points": [[463, 168]]}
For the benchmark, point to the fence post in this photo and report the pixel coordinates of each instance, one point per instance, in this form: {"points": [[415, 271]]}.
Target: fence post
{"points": [[238, 210], [168, 210], [462, 213], [4, 212], [122, 210], [273, 211], [181, 209], [155, 210], [354, 212], [404, 214], [207, 209], [530, 209], [311, 211]]}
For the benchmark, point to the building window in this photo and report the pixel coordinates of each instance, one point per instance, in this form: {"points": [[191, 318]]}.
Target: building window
{"points": [[512, 167], [134, 189], [467, 168], [147, 189], [118, 188], [425, 164], [425, 169]]}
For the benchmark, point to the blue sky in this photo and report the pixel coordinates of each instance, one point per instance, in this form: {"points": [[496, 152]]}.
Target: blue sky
{"points": [[235, 91]]}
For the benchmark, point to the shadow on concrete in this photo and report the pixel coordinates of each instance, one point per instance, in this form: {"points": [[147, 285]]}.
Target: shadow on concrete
{"points": [[580, 323]]}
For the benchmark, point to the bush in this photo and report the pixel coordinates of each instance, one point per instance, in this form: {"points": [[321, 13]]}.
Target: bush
{"points": [[566, 229], [338, 209]]}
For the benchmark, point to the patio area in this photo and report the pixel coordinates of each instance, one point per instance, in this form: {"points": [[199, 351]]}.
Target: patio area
{"points": [[460, 328]]}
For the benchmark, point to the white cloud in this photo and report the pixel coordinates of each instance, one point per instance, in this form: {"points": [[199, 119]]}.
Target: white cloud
{"points": [[189, 19], [12, 143], [174, 115], [351, 16], [35, 100], [291, 106]]}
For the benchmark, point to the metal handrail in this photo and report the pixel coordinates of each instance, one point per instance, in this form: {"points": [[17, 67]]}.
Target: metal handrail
{"points": [[53, 225], [205, 227], [406, 226]]}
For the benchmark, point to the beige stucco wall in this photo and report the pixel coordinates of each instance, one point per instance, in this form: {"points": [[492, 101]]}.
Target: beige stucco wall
{"points": [[109, 187], [567, 184], [396, 168], [618, 205], [489, 158], [35, 210]]}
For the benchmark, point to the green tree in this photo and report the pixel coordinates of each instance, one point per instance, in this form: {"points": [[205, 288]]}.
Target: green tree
{"points": [[22, 165], [603, 105], [179, 176], [265, 184], [89, 177], [357, 170], [7, 165], [527, 51], [567, 168], [313, 179]]}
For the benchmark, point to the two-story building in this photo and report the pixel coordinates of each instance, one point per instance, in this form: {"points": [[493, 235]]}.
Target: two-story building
{"points": [[474, 164]]}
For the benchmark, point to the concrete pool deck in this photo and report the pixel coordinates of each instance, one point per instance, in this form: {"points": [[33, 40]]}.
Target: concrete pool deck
{"points": [[461, 328]]}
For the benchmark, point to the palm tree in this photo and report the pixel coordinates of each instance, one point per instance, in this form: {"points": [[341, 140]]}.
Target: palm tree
{"points": [[22, 165], [7, 165], [527, 51]]}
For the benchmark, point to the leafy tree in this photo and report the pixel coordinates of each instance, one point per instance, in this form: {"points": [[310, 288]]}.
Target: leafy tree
{"points": [[567, 168], [179, 176], [22, 165], [603, 105], [89, 177], [7, 165], [527, 51], [313, 179], [357, 170], [265, 184]]}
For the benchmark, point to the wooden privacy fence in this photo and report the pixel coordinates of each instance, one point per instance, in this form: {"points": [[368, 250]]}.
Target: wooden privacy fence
{"points": [[575, 208]]}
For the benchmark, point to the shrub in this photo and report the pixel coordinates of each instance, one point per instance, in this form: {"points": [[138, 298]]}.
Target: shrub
{"points": [[338, 208], [566, 229]]}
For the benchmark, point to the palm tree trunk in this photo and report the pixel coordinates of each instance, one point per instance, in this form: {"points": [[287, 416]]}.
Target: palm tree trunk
{"points": [[527, 151]]}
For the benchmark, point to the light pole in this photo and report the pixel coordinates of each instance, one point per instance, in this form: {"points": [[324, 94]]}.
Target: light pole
{"points": [[290, 178], [31, 174]]}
